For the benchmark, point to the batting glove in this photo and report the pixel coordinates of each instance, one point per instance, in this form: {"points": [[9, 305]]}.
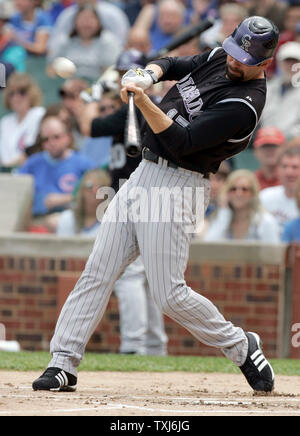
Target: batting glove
{"points": [[142, 78], [94, 93]]}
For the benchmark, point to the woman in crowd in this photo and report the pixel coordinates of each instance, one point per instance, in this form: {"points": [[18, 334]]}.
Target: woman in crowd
{"points": [[240, 215], [19, 128], [89, 46], [82, 219]]}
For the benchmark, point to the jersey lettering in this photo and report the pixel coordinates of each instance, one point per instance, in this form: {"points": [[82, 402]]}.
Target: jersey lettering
{"points": [[171, 113], [179, 120], [182, 121], [191, 96]]}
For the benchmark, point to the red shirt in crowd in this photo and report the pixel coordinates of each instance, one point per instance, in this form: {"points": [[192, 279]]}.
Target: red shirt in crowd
{"points": [[266, 183]]}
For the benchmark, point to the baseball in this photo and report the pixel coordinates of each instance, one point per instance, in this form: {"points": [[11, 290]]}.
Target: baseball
{"points": [[64, 68]]}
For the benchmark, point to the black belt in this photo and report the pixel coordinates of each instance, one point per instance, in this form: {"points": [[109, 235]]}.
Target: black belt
{"points": [[152, 157]]}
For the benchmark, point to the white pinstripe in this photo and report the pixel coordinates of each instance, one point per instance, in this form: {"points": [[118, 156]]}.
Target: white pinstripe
{"points": [[164, 248]]}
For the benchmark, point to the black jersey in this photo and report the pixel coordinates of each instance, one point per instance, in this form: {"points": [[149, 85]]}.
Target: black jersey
{"points": [[121, 165], [214, 117]]}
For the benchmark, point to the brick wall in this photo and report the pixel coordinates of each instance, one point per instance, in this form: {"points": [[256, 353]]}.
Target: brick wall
{"points": [[247, 283], [248, 294]]}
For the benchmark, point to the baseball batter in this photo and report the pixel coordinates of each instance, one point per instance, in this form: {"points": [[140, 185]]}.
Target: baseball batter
{"points": [[141, 322], [208, 116]]}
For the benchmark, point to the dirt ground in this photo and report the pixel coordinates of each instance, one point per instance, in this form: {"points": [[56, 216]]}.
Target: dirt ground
{"points": [[148, 394]]}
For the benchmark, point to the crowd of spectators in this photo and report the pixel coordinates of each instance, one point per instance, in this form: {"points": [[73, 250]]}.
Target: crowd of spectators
{"points": [[54, 144]]}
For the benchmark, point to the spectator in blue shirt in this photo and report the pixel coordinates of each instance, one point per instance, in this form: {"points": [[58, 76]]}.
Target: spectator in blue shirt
{"points": [[30, 27], [291, 231], [12, 55], [56, 171]]}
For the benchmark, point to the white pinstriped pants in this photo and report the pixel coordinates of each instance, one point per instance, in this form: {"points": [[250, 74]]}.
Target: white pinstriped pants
{"points": [[164, 248]]}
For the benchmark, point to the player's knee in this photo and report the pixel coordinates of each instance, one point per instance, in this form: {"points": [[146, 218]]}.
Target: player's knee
{"points": [[174, 300]]}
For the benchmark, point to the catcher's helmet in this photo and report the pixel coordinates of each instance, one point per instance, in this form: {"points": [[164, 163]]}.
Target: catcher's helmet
{"points": [[131, 58], [253, 41]]}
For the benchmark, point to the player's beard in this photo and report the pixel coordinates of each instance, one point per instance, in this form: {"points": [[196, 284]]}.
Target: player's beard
{"points": [[239, 77]]}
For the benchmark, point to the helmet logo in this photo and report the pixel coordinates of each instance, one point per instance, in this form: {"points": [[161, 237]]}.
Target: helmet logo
{"points": [[246, 42]]}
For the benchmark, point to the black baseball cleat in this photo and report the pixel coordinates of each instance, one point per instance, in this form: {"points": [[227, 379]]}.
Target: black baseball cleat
{"points": [[55, 379], [257, 370]]}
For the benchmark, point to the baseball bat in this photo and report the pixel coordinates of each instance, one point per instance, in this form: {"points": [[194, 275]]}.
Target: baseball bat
{"points": [[179, 40], [132, 138]]}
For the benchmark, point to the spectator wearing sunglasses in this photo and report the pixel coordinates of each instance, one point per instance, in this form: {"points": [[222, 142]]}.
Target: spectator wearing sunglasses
{"points": [[19, 129], [56, 171], [53, 110], [240, 215]]}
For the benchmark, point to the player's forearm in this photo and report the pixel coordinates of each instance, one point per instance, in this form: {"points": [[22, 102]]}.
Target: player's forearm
{"points": [[155, 117], [175, 68]]}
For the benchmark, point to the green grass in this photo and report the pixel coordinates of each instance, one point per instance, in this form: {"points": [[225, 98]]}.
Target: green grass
{"points": [[36, 361]]}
